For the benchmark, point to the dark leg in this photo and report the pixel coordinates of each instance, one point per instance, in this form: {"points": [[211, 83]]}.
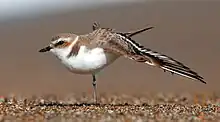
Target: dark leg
{"points": [[94, 88]]}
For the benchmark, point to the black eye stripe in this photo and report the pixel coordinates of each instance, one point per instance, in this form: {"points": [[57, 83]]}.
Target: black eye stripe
{"points": [[59, 43]]}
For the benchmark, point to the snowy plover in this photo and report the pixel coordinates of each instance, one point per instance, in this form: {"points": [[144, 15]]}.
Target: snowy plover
{"points": [[90, 53]]}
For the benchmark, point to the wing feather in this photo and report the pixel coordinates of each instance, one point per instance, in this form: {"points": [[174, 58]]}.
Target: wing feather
{"points": [[122, 44]]}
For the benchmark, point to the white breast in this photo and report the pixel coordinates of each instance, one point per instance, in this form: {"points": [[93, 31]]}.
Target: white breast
{"points": [[86, 61]]}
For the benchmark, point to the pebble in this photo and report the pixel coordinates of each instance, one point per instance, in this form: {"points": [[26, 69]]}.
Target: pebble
{"points": [[114, 108]]}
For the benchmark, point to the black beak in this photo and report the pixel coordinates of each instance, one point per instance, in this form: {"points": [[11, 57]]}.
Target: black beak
{"points": [[48, 48]]}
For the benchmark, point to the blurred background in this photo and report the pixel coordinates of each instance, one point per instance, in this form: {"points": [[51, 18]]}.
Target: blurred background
{"points": [[185, 30]]}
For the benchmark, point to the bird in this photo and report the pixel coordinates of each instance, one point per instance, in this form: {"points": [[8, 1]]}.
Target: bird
{"points": [[88, 54]]}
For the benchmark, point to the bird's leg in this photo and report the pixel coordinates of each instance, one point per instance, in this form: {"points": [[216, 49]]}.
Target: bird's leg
{"points": [[95, 26], [94, 88]]}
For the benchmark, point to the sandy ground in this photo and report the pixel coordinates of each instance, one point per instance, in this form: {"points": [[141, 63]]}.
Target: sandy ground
{"points": [[112, 107], [187, 31]]}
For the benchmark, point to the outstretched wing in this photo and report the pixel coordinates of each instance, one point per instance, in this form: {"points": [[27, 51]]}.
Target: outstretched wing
{"points": [[122, 44]]}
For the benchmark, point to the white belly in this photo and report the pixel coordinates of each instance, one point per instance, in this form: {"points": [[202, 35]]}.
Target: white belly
{"points": [[88, 61]]}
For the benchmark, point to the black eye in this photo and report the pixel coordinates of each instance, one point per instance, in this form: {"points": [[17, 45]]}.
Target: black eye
{"points": [[59, 43]]}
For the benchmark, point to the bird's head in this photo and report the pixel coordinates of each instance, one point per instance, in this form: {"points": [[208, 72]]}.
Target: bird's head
{"points": [[60, 42]]}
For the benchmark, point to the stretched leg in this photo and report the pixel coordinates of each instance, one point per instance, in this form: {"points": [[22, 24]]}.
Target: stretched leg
{"points": [[94, 88]]}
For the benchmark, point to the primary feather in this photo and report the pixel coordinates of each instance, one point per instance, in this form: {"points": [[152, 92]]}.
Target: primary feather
{"points": [[157, 59]]}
